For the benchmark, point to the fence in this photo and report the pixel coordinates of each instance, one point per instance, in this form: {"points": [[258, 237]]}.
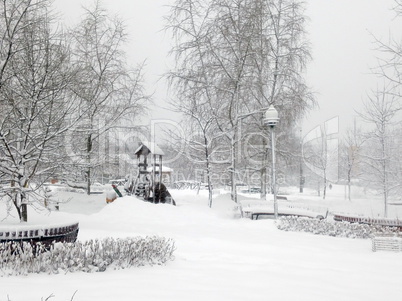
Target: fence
{"points": [[385, 243]]}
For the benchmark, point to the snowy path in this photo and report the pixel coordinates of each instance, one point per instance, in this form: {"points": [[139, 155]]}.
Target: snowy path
{"points": [[220, 258]]}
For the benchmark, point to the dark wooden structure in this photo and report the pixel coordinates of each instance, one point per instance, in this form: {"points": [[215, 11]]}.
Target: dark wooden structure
{"points": [[384, 222], [148, 183], [44, 235]]}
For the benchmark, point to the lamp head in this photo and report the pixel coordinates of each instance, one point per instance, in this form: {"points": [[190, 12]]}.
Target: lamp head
{"points": [[271, 117]]}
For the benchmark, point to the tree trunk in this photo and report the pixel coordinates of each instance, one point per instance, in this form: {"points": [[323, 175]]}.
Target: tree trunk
{"points": [[208, 172], [17, 206], [264, 170], [88, 172], [24, 212], [384, 170], [233, 169], [349, 184]]}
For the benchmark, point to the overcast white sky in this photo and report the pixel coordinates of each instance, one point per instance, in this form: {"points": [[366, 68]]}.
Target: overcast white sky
{"points": [[343, 53], [339, 31]]}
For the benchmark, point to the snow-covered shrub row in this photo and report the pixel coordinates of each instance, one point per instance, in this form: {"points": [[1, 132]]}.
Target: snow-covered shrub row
{"points": [[90, 256], [332, 228]]}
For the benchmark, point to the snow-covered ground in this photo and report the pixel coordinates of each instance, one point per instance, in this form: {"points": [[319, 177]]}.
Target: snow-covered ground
{"points": [[218, 257]]}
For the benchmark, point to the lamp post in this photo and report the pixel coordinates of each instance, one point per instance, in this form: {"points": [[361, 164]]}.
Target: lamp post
{"points": [[271, 119]]}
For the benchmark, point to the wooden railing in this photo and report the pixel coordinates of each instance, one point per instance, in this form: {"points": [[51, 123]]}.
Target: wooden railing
{"points": [[367, 220]]}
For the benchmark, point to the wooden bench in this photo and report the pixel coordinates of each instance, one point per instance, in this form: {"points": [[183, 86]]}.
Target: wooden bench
{"points": [[256, 215]]}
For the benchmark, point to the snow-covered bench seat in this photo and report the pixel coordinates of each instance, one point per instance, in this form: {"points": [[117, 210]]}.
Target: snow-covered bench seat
{"points": [[255, 214], [255, 209]]}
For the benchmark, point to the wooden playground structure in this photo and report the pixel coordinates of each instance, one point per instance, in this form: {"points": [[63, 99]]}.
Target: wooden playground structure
{"points": [[148, 182]]}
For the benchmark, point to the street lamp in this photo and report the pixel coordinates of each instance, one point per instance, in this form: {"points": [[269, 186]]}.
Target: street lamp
{"points": [[271, 119]]}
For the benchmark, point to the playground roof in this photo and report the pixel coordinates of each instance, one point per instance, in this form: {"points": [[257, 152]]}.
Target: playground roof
{"points": [[151, 146]]}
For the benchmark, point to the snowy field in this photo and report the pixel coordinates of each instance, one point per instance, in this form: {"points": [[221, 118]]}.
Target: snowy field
{"points": [[218, 256]]}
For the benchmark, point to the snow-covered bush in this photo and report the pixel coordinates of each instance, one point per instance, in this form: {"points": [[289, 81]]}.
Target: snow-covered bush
{"points": [[332, 228], [90, 256]]}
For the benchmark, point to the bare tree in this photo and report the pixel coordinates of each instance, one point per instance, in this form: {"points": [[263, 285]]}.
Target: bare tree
{"points": [[34, 78], [201, 137], [351, 156], [201, 61], [321, 151], [380, 111], [246, 55], [390, 58], [111, 93], [281, 54], [316, 156]]}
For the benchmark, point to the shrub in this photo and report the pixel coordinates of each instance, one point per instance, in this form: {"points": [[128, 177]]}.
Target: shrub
{"points": [[90, 256], [332, 228]]}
